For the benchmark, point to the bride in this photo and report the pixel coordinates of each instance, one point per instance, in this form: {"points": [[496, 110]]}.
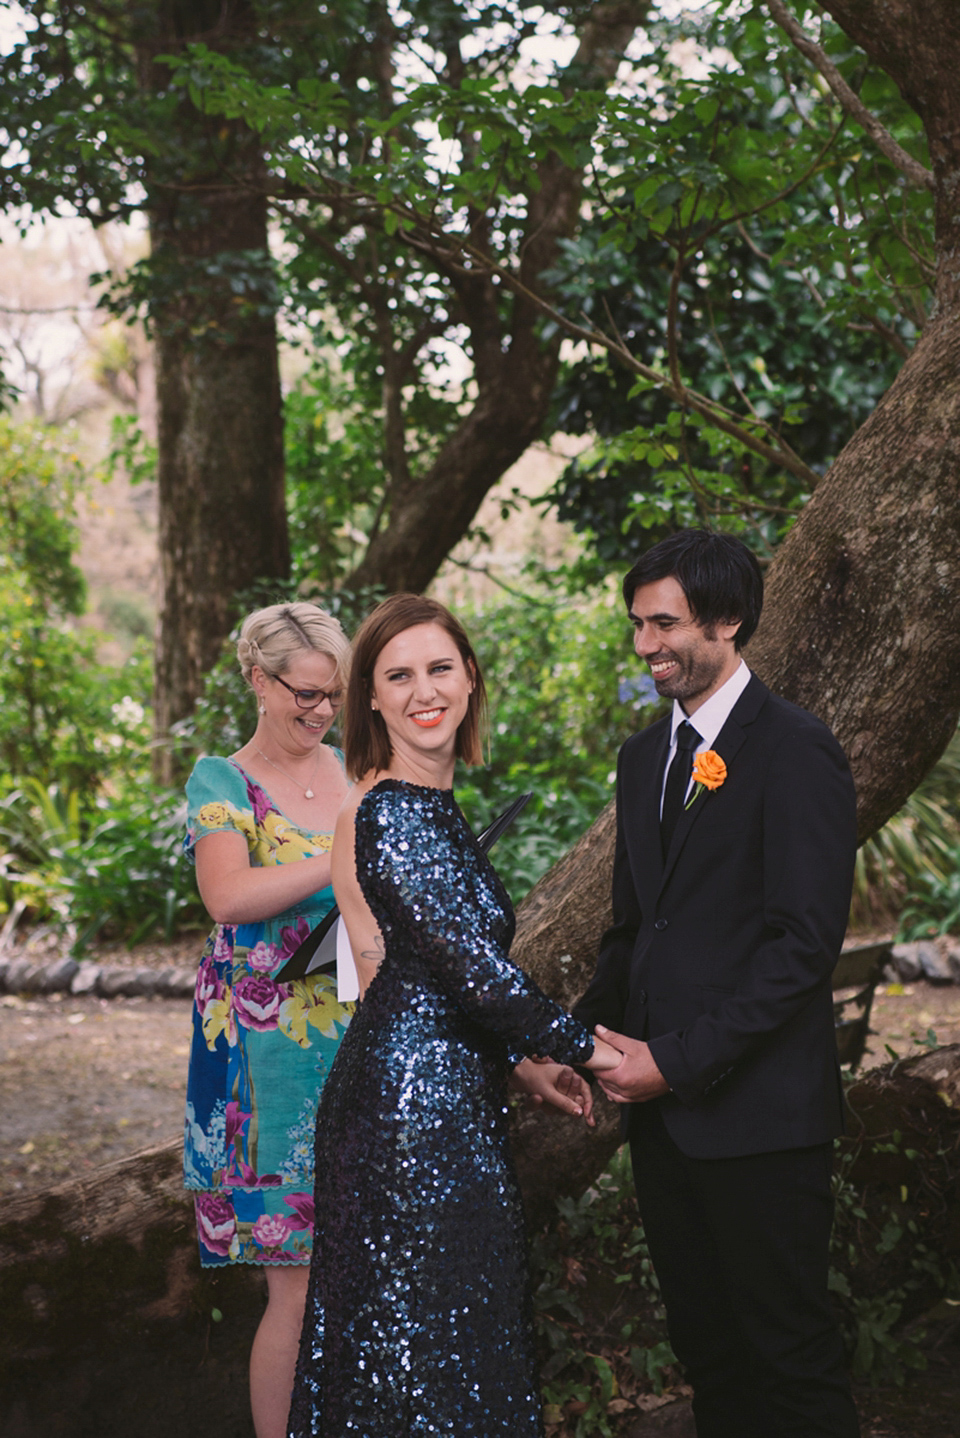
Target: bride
{"points": [[418, 1313]]}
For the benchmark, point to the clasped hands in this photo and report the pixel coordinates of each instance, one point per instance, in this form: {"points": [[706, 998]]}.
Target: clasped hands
{"points": [[624, 1067]]}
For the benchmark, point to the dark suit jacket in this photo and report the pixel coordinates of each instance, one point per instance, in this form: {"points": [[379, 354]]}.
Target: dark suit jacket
{"points": [[721, 956]]}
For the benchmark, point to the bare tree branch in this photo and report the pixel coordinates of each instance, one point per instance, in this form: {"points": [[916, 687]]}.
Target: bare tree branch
{"points": [[916, 173]]}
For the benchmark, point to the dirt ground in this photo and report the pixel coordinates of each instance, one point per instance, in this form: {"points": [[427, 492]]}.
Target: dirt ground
{"points": [[87, 1080]]}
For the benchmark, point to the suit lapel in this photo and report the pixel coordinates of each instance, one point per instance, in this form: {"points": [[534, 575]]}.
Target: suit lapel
{"points": [[727, 745]]}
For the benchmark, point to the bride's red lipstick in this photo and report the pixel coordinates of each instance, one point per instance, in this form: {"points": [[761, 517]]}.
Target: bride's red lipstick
{"points": [[428, 723]]}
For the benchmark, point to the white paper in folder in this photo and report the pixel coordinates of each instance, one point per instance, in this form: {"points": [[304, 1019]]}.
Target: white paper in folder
{"points": [[348, 985]]}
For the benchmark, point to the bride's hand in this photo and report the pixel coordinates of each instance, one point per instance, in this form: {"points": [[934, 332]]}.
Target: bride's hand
{"points": [[604, 1057], [556, 1085]]}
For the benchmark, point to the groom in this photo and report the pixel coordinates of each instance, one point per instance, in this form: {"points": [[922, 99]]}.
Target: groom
{"points": [[736, 835]]}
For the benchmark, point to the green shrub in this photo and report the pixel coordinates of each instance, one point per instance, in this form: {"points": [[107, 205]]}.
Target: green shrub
{"points": [[598, 1314], [934, 905], [910, 864], [120, 874], [57, 701], [565, 691], [600, 1321]]}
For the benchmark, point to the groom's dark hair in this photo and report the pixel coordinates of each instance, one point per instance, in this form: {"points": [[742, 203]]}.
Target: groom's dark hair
{"points": [[718, 574]]}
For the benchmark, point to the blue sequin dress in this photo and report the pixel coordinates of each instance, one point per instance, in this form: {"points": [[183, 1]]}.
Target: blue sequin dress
{"points": [[418, 1314]]}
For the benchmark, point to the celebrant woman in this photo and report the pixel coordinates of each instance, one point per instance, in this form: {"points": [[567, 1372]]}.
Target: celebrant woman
{"points": [[418, 1314], [260, 828]]}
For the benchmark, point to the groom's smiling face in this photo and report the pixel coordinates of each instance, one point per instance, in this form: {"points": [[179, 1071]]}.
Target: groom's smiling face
{"points": [[688, 661]]}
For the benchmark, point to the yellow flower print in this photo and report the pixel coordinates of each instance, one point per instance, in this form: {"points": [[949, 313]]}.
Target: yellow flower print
{"points": [[218, 814], [218, 1019], [312, 1005], [215, 815], [287, 843]]}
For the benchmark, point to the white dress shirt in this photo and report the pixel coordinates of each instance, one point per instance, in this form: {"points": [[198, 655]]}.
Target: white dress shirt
{"points": [[708, 720]]}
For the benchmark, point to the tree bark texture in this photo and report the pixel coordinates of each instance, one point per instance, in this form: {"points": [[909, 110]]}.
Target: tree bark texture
{"points": [[514, 368], [220, 424], [860, 619]]}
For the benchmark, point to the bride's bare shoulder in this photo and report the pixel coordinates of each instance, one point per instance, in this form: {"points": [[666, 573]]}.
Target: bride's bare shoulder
{"points": [[355, 796]]}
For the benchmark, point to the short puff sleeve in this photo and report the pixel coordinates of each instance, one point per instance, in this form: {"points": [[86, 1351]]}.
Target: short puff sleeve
{"points": [[218, 800]]}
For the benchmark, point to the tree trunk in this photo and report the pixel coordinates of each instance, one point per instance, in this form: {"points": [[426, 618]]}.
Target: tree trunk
{"points": [[220, 424], [109, 1325], [431, 514], [514, 367], [860, 617]]}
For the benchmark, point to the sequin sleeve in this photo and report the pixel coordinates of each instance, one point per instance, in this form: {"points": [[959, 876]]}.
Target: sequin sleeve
{"points": [[438, 900]]}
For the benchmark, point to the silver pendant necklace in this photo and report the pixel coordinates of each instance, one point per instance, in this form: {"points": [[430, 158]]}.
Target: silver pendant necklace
{"points": [[308, 791]]}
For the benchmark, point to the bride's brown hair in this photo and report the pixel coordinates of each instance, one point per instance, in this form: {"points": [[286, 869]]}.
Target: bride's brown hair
{"points": [[366, 743]]}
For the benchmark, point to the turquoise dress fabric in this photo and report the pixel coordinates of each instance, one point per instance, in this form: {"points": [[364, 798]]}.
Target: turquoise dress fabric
{"points": [[261, 1050]]}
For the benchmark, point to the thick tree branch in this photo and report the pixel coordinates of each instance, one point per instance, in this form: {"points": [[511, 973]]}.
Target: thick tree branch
{"points": [[916, 173]]}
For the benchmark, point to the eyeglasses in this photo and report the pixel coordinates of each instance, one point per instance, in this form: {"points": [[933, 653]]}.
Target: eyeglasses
{"points": [[310, 698]]}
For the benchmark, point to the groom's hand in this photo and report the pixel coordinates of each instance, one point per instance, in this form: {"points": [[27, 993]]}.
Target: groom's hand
{"points": [[637, 1078]]}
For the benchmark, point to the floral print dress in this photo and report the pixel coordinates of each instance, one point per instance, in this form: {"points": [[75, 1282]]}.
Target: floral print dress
{"points": [[261, 1050]]}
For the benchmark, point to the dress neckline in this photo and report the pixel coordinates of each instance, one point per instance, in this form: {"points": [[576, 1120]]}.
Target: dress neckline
{"points": [[310, 833], [409, 784]]}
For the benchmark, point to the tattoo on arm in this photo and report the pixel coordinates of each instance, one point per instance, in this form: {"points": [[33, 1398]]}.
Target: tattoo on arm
{"points": [[376, 954]]}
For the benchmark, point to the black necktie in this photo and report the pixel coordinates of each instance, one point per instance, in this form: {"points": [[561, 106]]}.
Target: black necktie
{"points": [[678, 777]]}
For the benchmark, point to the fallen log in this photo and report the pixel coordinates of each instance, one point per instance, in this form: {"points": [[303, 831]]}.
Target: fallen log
{"points": [[108, 1325]]}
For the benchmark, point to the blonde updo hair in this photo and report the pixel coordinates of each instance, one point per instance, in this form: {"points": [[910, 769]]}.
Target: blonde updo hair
{"points": [[273, 637]]}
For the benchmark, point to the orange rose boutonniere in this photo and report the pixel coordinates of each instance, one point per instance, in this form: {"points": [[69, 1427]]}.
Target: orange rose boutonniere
{"points": [[709, 772]]}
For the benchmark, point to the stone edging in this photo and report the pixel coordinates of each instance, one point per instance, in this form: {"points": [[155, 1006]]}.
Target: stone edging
{"points": [[935, 960], [104, 981]]}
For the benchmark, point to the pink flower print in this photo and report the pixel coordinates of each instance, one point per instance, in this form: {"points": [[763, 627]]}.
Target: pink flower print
{"points": [[259, 800], [209, 984], [303, 1211], [293, 936], [257, 1000], [262, 957], [216, 1223], [236, 1121], [223, 943], [270, 1230], [243, 1177]]}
